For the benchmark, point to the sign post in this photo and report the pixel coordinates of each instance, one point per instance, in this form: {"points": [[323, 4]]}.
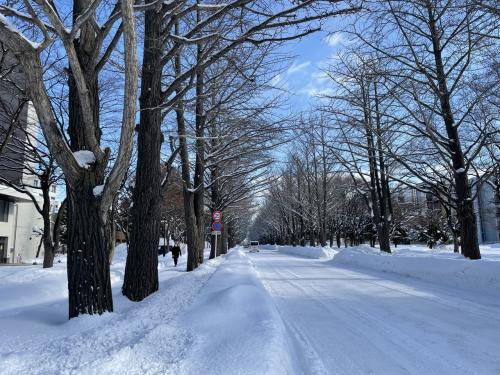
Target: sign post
{"points": [[216, 227]]}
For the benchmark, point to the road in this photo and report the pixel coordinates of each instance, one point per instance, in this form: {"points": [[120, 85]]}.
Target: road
{"points": [[354, 321]]}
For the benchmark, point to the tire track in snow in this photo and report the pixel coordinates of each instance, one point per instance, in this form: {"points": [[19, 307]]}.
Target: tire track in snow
{"points": [[302, 347], [414, 351]]}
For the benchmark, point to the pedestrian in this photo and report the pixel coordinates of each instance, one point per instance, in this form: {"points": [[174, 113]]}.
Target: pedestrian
{"points": [[176, 252]]}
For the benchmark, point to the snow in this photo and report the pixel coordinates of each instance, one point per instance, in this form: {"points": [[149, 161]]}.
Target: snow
{"points": [[97, 190], [84, 158], [351, 320], [439, 267], [271, 312], [306, 252], [240, 330], [11, 27], [137, 338]]}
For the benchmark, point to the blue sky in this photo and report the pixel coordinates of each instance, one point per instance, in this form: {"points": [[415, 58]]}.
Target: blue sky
{"points": [[304, 78]]}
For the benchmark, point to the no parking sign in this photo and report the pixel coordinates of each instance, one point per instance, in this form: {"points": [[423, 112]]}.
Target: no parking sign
{"points": [[217, 216]]}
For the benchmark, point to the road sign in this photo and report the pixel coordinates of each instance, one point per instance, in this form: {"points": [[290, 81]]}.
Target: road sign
{"points": [[216, 232], [216, 226], [217, 216]]}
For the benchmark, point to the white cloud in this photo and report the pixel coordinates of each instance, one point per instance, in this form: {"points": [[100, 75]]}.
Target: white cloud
{"points": [[320, 76], [279, 82], [276, 80], [334, 39], [316, 92], [295, 68]]}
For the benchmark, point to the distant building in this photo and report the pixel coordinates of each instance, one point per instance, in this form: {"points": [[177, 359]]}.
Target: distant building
{"points": [[487, 209], [20, 222]]}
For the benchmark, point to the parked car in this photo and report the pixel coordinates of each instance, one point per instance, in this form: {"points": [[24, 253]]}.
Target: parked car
{"points": [[254, 246]]}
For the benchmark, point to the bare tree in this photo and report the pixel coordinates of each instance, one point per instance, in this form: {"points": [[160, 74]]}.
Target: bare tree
{"points": [[90, 190], [434, 52], [182, 40]]}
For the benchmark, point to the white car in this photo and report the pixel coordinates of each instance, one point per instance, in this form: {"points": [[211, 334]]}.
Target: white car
{"points": [[254, 246]]}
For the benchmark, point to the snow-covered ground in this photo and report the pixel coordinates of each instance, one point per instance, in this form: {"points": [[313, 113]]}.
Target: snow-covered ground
{"points": [[440, 266], [271, 312], [137, 338], [352, 320], [306, 252], [239, 328]]}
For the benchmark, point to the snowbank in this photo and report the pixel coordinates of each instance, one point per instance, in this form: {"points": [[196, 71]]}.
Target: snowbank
{"points": [[137, 338], [308, 252], [438, 267], [218, 319], [235, 308]]}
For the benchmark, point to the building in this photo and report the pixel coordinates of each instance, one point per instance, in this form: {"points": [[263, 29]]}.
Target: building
{"points": [[20, 222], [486, 202], [487, 209]]}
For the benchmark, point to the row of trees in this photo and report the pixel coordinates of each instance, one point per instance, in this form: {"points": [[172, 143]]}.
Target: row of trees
{"points": [[202, 66], [413, 101]]}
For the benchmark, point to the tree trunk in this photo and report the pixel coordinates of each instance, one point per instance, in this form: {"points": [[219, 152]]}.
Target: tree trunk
{"points": [[223, 242], [465, 210], [188, 194], [191, 232], [56, 237], [48, 245], [231, 239], [141, 271], [199, 196], [89, 285], [88, 263], [384, 233]]}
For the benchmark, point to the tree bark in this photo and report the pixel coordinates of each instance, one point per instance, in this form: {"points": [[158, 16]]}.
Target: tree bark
{"points": [[465, 210], [188, 194], [199, 173], [89, 282], [223, 242], [230, 234], [141, 271], [383, 185], [48, 245], [88, 263]]}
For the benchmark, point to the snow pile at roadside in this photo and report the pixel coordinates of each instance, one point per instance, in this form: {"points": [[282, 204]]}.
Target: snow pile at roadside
{"points": [[238, 329], [308, 252], [444, 268], [137, 338]]}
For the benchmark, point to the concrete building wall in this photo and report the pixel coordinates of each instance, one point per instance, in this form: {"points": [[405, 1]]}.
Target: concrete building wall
{"points": [[21, 230], [487, 210]]}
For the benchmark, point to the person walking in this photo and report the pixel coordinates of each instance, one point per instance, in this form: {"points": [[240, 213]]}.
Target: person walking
{"points": [[176, 252]]}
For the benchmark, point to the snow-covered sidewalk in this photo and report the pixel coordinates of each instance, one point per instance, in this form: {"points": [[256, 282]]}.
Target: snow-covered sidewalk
{"points": [[239, 330], [138, 338], [218, 319]]}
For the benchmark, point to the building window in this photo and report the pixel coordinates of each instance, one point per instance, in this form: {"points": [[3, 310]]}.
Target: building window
{"points": [[4, 210], [4, 256]]}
